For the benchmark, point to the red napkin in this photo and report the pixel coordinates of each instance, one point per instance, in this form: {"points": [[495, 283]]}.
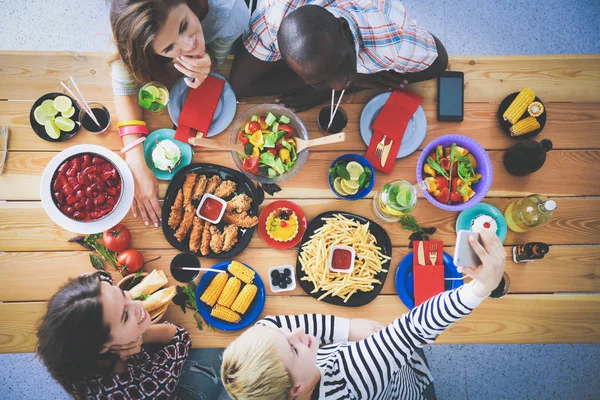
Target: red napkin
{"points": [[199, 109], [428, 279], [391, 122]]}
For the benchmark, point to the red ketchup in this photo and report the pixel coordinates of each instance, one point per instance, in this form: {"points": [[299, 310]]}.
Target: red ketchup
{"points": [[211, 209], [342, 259]]}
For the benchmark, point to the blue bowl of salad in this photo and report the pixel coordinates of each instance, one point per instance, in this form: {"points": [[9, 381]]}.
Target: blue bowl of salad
{"points": [[268, 133], [351, 177]]}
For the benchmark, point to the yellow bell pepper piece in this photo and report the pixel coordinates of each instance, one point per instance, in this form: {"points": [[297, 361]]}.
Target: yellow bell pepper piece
{"points": [[257, 139], [291, 141], [262, 123], [470, 193], [247, 128], [285, 155], [255, 152], [428, 170], [476, 178], [432, 184]]}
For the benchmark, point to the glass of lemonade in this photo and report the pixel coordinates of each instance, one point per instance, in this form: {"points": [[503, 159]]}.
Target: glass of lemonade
{"points": [[395, 200], [154, 96]]}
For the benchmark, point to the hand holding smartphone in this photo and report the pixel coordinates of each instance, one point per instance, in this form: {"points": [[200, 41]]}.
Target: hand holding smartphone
{"points": [[464, 255]]}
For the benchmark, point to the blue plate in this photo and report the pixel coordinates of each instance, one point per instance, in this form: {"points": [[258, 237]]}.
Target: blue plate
{"points": [[415, 132], [364, 191], [251, 314], [224, 113], [149, 145], [405, 284], [465, 218]]}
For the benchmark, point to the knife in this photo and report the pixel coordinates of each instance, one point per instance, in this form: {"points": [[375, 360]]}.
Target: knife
{"points": [[385, 153], [420, 254]]}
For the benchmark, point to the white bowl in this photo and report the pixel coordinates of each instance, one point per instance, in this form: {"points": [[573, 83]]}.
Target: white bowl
{"points": [[114, 217], [291, 286], [220, 200], [352, 259]]}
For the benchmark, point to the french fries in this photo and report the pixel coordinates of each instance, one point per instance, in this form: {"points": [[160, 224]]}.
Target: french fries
{"points": [[314, 256]]}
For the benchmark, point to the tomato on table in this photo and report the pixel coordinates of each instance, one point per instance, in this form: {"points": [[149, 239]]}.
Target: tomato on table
{"points": [[130, 261], [116, 238]]}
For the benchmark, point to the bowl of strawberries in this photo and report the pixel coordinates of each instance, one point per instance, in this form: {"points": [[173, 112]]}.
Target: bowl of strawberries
{"points": [[458, 172], [86, 189]]}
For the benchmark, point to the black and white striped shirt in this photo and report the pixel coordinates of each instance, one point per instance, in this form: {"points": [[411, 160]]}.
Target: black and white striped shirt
{"points": [[385, 365]]}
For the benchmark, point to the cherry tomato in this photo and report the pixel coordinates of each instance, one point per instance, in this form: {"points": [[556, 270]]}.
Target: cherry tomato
{"points": [[288, 130], [117, 238], [253, 126], [273, 151], [455, 197], [445, 163], [242, 138], [130, 261], [251, 164], [443, 196], [441, 182]]}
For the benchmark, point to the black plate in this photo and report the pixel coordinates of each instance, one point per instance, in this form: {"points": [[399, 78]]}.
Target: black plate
{"points": [[244, 185], [505, 125], [359, 298], [41, 131]]}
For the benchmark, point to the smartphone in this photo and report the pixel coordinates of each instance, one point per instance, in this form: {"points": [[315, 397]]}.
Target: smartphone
{"points": [[451, 91], [464, 255]]}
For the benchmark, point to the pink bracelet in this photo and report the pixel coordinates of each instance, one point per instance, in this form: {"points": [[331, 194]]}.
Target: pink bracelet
{"points": [[129, 130], [133, 144]]}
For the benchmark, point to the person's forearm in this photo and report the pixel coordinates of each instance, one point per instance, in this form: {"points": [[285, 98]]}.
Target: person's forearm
{"points": [[327, 328], [129, 109], [159, 334]]}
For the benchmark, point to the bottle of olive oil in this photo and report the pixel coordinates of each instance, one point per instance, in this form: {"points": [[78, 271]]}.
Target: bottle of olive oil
{"points": [[528, 213]]}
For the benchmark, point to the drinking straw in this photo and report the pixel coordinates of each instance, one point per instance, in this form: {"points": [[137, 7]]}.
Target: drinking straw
{"points": [[92, 116], [336, 108], [85, 106]]}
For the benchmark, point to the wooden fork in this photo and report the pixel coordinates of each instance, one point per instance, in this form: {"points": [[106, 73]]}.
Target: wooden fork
{"points": [[433, 250], [380, 146]]}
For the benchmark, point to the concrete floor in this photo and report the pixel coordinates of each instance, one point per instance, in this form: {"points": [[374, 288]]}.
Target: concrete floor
{"points": [[466, 27]]}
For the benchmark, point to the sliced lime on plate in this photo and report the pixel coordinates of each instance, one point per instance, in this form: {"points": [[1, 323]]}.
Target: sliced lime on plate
{"points": [[62, 103], [39, 116], [52, 130], [153, 91], [69, 113], [354, 169], [48, 109], [64, 124]]}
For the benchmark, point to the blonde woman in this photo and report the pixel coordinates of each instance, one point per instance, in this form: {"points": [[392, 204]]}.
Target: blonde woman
{"points": [[313, 357]]}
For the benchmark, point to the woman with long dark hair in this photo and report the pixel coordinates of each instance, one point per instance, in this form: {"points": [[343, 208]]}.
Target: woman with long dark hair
{"points": [[97, 342], [162, 40]]}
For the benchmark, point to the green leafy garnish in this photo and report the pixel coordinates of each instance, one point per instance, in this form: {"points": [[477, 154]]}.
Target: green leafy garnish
{"points": [[361, 178], [248, 149], [186, 298], [342, 172], [267, 159], [270, 140], [96, 262], [437, 167], [136, 279], [409, 223], [142, 297]]}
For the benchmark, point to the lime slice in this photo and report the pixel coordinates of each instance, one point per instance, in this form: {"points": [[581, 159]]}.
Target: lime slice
{"points": [[52, 130], [338, 187], [48, 109], [153, 91], [64, 124], [404, 197], [69, 113], [170, 154], [351, 187], [354, 169], [39, 116], [163, 97], [62, 103]]}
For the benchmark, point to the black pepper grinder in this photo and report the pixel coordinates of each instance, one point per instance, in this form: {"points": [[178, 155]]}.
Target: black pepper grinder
{"points": [[526, 157]]}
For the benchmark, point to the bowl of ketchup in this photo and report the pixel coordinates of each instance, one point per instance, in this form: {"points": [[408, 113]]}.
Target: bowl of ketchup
{"points": [[341, 259], [211, 208]]}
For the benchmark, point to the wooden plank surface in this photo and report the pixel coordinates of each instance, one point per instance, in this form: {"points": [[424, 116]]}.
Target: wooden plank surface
{"points": [[564, 269], [555, 78], [563, 174], [24, 226], [569, 126], [513, 319]]}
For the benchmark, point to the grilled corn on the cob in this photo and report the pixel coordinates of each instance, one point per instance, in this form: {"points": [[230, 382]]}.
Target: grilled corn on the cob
{"points": [[244, 299], [230, 292], [535, 109], [225, 314], [519, 105], [241, 272], [524, 126], [213, 291]]}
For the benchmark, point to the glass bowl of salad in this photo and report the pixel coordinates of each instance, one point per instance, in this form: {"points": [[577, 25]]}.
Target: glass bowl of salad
{"points": [[268, 133]]}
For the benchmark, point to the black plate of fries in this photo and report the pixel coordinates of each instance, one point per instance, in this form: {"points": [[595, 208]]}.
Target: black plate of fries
{"points": [[505, 125], [221, 244], [373, 272]]}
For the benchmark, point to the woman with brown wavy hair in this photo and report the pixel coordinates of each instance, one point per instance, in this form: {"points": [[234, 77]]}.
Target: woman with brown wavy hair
{"points": [[162, 40]]}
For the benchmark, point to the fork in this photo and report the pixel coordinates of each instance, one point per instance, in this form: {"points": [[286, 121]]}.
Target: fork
{"points": [[3, 146], [433, 249], [380, 146]]}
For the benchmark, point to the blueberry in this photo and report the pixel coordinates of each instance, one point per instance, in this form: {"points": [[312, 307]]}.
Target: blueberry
{"points": [[276, 281], [288, 280], [275, 274], [283, 285], [287, 272]]}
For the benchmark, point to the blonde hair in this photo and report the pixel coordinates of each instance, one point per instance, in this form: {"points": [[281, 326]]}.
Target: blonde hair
{"points": [[253, 369]]}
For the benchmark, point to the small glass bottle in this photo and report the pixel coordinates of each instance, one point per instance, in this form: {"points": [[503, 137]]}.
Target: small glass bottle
{"points": [[529, 252], [526, 157], [528, 213]]}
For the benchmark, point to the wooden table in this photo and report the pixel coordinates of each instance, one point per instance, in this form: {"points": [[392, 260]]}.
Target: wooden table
{"points": [[552, 301]]}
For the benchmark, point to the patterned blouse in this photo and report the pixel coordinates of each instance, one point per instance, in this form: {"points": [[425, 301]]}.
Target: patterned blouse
{"points": [[149, 375]]}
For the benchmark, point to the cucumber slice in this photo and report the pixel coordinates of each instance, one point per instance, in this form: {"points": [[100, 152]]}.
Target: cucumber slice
{"points": [[284, 120], [270, 119], [254, 118]]}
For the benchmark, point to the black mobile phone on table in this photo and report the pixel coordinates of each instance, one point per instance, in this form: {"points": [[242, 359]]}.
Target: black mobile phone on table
{"points": [[451, 93]]}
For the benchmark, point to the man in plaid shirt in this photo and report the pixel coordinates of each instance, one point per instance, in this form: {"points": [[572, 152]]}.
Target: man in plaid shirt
{"points": [[301, 49]]}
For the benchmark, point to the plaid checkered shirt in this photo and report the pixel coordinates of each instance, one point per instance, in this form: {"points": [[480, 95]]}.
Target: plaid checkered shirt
{"points": [[386, 38]]}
